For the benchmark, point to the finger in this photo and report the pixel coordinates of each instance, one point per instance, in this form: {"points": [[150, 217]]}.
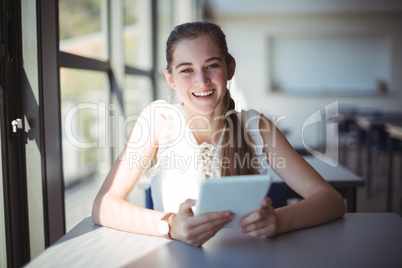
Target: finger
{"points": [[203, 232], [204, 226], [266, 202], [208, 235], [209, 217], [211, 221], [185, 207], [265, 227], [269, 231], [195, 226], [255, 216], [255, 226], [213, 216]]}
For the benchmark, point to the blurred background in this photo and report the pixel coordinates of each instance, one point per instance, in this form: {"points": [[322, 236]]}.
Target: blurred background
{"points": [[321, 70]]}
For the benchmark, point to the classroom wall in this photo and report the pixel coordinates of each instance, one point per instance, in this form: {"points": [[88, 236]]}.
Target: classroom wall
{"points": [[248, 36]]}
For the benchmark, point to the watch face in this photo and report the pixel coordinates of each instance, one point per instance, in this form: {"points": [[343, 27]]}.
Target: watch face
{"points": [[163, 227]]}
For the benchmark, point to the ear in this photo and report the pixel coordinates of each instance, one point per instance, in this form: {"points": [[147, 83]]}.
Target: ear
{"points": [[169, 78], [231, 69]]}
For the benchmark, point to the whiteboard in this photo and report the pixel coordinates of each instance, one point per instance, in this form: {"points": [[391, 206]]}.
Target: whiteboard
{"points": [[328, 64]]}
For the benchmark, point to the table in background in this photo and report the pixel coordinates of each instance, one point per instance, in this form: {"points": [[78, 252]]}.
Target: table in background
{"points": [[394, 133], [341, 178], [347, 128], [357, 240], [371, 124]]}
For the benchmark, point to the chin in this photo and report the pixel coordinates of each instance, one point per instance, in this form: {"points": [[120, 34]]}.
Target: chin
{"points": [[204, 110]]}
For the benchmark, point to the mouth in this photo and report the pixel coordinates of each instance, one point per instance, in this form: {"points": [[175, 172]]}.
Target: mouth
{"points": [[203, 94]]}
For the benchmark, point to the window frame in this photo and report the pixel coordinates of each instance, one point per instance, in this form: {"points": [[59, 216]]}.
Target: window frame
{"points": [[50, 64]]}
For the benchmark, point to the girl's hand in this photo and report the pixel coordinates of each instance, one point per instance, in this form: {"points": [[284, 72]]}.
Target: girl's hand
{"points": [[262, 222], [196, 230]]}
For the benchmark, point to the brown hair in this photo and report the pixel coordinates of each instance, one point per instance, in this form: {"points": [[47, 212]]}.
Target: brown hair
{"points": [[237, 148]]}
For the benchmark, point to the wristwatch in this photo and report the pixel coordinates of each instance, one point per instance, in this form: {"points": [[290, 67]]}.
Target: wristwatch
{"points": [[164, 227]]}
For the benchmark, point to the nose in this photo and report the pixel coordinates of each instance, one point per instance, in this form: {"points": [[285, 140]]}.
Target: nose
{"points": [[202, 79]]}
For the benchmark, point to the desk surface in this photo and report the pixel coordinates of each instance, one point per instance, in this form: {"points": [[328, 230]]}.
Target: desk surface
{"points": [[338, 176], [367, 122], [350, 113], [357, 240], [394, 130]]}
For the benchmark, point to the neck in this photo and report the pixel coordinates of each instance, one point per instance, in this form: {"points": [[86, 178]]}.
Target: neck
{"points": [[205, 127]]}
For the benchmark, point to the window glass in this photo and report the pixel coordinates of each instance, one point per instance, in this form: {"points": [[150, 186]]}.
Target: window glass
{"points": [[83, 28], [137, 95], [138, 34], [165, 26], [84, 111]]}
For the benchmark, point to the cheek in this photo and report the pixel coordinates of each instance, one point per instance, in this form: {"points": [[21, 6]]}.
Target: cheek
{"points": [[219, 76], [184, 81]]}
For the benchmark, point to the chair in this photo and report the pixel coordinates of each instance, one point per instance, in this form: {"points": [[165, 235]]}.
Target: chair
{"points": [[148, 199]]}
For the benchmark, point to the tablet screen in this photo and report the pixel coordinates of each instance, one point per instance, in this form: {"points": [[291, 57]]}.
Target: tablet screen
{"points": [[238, 194]]}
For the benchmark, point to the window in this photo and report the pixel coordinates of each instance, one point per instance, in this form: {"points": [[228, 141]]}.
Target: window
{"points": [[82, 28], [84, 114], [137, 34], [165, 25], [106, 75], [69, 65], [138, 91]]}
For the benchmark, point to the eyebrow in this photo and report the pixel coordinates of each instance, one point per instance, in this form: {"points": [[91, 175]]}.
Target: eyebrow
{"points": [[206, 61]]}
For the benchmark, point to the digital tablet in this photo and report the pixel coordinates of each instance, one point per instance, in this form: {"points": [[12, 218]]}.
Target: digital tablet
{"points": [[238, 194]]}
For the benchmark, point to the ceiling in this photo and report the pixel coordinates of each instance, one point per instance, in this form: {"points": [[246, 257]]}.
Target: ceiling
{"points": [[266, 7]]}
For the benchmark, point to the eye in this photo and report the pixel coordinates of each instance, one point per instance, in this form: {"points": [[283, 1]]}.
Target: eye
{"points": [[186, 70], [213, 66]]}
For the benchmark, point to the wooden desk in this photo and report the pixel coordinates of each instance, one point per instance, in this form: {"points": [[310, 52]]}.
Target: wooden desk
{"points": [[394, 133], [357, 240], [370, 124]]}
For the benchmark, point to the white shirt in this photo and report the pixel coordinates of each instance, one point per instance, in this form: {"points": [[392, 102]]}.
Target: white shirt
{"points": [[182, 163]]}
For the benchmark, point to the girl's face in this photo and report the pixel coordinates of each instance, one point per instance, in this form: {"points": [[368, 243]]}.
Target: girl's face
{"points": [[199, 74]]}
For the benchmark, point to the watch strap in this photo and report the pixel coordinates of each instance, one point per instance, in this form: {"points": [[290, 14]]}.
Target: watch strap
{"points": [[166, 219]]}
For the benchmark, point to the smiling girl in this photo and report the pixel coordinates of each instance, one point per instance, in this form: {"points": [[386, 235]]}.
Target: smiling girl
{"points": [[213, 140]]}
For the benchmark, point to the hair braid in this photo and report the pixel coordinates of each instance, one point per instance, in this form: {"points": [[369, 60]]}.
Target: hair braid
{"points": [[237, 148]]}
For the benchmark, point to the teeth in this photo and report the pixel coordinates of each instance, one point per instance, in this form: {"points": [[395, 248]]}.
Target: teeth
{"points": [[203, 94]]}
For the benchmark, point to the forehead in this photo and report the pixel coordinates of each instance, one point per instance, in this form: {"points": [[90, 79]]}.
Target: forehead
{"points": [[202, 47]]}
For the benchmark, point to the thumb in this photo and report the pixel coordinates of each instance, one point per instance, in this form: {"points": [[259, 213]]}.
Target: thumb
{"points": [[185, 207], [266, 202]]}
